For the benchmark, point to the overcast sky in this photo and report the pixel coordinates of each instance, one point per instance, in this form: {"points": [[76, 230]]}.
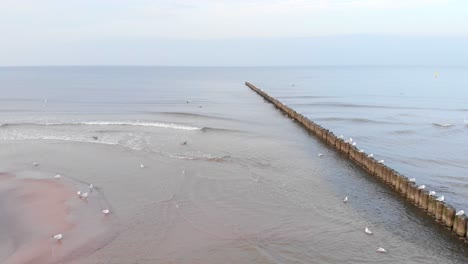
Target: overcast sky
{"points": [[233, 32]]}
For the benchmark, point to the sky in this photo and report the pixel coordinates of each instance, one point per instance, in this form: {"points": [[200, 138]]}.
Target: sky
{"points": [[234, 32]]}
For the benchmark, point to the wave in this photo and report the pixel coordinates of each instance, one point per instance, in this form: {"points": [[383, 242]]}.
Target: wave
{"points": [[110, 123], [184, 114], [443, 124], [356, 120], [350, 105]]}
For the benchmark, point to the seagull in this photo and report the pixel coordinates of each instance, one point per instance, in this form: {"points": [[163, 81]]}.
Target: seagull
{"points": [[354, 143], [461, 212], [380, 161], [341, 136], [440, 199], [79, 194], [105, 211], [84, 195], [370, 155], [35, 164], [142, 166], [367, 230], [432, 193], [345, 199], [421, 187], [58, 237], [361, 151], [320, 155], [381, 250], [412, 180], [58, 176], [91, 187]]}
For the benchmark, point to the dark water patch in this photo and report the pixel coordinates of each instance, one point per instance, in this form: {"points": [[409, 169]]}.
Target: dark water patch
{"points": [[306, 96], [402, 132]]}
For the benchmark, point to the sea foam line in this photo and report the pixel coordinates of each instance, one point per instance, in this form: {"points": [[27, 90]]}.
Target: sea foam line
{"points": [[111, 123]]}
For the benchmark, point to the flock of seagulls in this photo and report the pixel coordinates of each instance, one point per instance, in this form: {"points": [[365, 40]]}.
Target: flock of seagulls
{"points": [[420, 187], [368, 231], [81, 195]]}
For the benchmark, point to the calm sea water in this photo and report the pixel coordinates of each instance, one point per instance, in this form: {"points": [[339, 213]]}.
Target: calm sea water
{"points": [[247, 187]]}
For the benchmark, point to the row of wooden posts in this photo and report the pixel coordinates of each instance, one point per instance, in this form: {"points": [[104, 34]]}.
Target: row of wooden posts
{"points": [[440, 210]]}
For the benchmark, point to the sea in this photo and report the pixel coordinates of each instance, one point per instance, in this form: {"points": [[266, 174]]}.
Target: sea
{"points": [[197, 168]]}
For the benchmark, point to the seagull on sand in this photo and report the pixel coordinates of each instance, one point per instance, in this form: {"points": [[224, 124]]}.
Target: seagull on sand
{"points": [[421, 187], [58, 237], [58, 176], [370, 155], [367, 230], [440, 199], [381, 250], [432, 193], [461, 212], [142, 166], [412, 180], [106, 211], [320, 155], [380, 161], [345, 199], [82, 195]]}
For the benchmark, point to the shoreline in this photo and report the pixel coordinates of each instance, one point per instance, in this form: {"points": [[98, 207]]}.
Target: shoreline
{"points": [[34, 210]]}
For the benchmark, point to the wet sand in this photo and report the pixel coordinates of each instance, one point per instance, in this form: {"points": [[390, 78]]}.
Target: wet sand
{"points": [[34, 210]]}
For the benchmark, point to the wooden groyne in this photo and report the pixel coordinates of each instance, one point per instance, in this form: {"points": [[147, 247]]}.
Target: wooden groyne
{"points": [[441, 211]]}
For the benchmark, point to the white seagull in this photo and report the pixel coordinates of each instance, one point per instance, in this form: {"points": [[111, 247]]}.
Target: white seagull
{"points": [[421, 187], [91, 187], [142, 166], [412, 180], [432, 193], [35, 164], [461, 212], [341, 136], [58, 176], [370, 155], [367, 230], [361, 151], [381, 250], [440, 199], [320, 155], [354, 143], [380, 161], [58, 237], [83, 195], [345, 199], [105, 211]]}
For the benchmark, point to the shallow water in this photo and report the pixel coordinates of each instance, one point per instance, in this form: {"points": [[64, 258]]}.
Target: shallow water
{"points": [[248, 186]]}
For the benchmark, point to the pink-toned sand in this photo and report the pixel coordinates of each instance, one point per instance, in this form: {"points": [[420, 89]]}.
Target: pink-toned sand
{"points": [[37, 209]]}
